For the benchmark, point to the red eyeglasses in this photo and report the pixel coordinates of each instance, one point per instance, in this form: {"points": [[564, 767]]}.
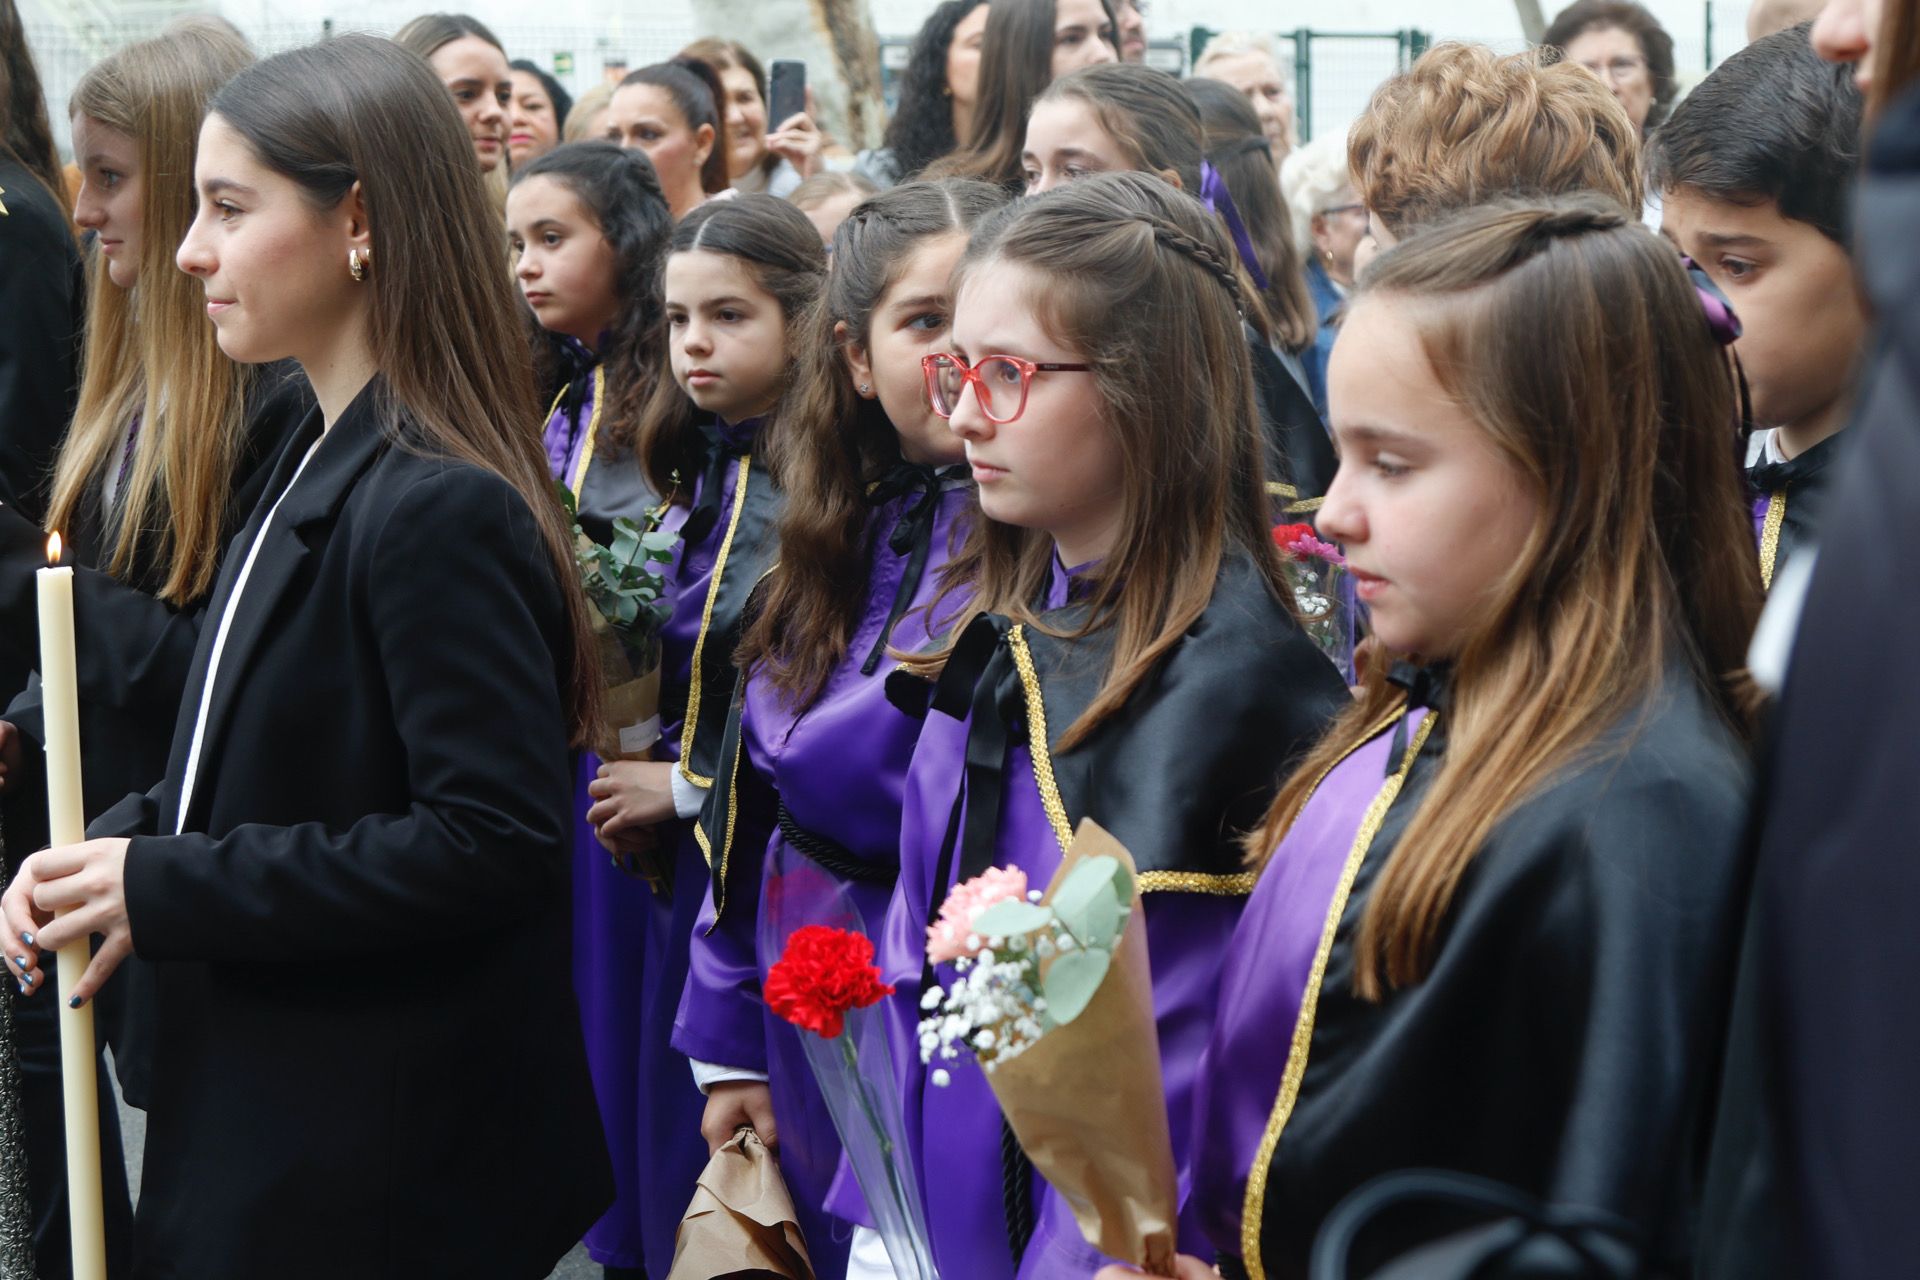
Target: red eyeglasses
{"points": [[999, 383]]}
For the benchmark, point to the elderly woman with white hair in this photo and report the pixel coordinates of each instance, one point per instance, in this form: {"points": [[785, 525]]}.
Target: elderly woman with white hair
{"points": [[1329, 221], [1251, 64]]}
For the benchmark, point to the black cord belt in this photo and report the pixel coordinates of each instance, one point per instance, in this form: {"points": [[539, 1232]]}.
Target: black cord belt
{"points": [[835, 856]]}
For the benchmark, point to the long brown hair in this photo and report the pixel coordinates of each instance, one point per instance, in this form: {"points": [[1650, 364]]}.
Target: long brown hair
{"points": [[1139, 281], [1016, 63], [446, 339], [1642, 556], [149, 350], [782, 250], [24, 131], [1895, 57], [832, 443], [1239, 151]]}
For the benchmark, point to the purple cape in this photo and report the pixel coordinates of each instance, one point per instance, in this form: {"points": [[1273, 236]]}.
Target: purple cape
{"points": [[839, 768]]}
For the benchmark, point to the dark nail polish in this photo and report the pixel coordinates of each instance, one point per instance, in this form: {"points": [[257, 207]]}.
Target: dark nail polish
{"points": [[21, 961], [75, 1003], [27, 978], [26, 938]]}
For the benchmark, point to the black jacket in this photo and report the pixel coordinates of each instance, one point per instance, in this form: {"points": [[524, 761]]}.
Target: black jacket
{"points": [[132, 652], [369, 1060], [42, 299], [1813, 1171]]}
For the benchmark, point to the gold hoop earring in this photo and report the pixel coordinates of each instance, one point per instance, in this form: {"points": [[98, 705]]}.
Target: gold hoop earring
{"points": [[357, 260]]}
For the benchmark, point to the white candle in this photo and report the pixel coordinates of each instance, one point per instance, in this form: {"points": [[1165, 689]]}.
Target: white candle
{"points": [[67, 824]]}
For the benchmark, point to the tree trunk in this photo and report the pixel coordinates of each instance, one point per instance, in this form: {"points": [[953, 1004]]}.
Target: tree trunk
{"points": [[835, 38], [1533, 23]]}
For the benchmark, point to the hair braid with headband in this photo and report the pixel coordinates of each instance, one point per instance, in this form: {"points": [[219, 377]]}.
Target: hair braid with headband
{"points": [[1205, 255]]}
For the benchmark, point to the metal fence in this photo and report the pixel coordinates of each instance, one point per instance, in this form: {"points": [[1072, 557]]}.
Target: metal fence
{"points": [[1334, 72]]}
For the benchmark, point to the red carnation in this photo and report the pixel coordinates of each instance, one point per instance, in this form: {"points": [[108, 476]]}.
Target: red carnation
{"points": [[1287, 537], [824, 973]]}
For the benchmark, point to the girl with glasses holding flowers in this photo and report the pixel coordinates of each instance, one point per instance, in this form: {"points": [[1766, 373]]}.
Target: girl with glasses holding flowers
{"points": [[1127, 654]]}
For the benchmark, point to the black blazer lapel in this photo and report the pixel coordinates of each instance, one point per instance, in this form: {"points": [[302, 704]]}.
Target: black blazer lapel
{"points": [[315, 498]]}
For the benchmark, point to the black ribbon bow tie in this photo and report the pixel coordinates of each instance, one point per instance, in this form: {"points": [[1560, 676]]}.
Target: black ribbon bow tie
{"points": [[911, 536], [1773, 477], [1426, 686], [721, 453]]}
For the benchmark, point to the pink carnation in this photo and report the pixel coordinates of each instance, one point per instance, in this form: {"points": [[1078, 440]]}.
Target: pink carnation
{"points": [[947, 938]]}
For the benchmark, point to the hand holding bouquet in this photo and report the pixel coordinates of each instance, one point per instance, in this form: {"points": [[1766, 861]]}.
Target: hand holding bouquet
{"points": [[628, 595], [1055, 1001]]}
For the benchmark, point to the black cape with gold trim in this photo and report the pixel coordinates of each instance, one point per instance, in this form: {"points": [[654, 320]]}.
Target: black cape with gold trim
{"points": [[1564, 1039], [1185, 768]]}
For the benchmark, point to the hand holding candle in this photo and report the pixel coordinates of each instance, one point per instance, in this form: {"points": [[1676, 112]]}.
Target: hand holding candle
{"points": [[83, 883]]}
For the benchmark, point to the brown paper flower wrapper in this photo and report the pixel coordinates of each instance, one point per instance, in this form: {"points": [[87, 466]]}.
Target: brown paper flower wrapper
{"points": [[741, 1221], [631, 706], [1087, 1104]]}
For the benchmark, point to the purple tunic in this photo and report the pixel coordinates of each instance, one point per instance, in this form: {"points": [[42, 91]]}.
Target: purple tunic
{"points": [[630, 956], [608, 905], [954, 1131], [839, 767], [1268, 966]]}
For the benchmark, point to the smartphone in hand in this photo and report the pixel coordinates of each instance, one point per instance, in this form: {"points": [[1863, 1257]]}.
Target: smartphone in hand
{"points": [[786, 92]]}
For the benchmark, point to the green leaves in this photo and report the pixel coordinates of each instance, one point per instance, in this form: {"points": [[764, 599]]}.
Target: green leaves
{"points": [[1070, 982], [1092, 902], [1011, 917], [621, 582]]}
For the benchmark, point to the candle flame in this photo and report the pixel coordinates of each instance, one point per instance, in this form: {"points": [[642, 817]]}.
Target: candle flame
{"points": [[53, 548]]}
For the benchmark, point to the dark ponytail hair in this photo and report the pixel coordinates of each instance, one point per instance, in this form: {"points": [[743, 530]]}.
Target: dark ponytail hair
{"points": [[620, 192], [782, 251], [1239, 152], [443, 331], [25, 134], [695, 89], [832, 443]]}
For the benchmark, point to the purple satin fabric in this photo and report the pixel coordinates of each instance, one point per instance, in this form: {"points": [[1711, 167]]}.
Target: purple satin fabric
{"points": [[1215, 195], [1268, 964], [840, 768], [954, 1132], [566, 433], [630, 964], [1760, 518]]}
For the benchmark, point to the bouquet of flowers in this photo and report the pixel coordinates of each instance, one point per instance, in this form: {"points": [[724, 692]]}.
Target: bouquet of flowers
{"points": [[628, 597], [1054, 1000], [824, 983], [1322, 591]]}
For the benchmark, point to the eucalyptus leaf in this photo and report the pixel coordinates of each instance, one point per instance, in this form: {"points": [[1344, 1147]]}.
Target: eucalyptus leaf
{"points": [[1011, 916], [1071, 981], [1088, 901]]}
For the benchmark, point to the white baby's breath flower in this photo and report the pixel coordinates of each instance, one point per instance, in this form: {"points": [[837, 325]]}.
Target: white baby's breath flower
{"points": [[940, 1078]]}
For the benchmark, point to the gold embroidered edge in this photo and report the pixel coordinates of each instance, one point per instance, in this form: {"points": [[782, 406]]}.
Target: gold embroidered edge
{"points": [[1305, 506], [1037, 738], [1255, 1204], [1770, 537], [733, 808], [692, 721], [1280, 489]]}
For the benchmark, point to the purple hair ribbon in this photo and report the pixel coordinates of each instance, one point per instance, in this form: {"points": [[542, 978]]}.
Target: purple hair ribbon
{"points": [[1219, 200], [1721, 320]]}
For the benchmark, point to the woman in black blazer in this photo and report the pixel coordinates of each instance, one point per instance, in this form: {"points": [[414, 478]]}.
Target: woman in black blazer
{"points": [[354, 880]]}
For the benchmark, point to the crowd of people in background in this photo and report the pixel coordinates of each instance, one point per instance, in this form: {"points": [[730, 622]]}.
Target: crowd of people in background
{"points": [[1485, 928]]}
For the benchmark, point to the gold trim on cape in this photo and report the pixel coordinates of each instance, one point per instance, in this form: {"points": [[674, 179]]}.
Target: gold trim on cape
{"points": [[1254, 1207], [1239, 883], [579, 478], [1770, 536], [692, 719]]}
